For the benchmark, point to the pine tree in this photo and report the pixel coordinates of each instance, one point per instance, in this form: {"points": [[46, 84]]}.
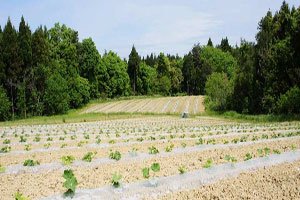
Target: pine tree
{"points": [[209, 43], [133, 68]]}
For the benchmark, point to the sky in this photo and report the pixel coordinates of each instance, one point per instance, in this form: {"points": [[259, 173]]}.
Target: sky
{"points": [[168, 26]]}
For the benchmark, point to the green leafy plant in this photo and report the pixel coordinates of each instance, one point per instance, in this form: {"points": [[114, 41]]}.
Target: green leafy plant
{"points": [[146, 173], [5, 149], [248, 156], [19, 196], [98, 141], [181, 169], [115, 155], [200, 141], [88, 157], [229, 158], [46, 146], [112, 142], [27, 147], [63, 146], [6, 141], [183, 144], [116, 180], [153, 150], [37, 139], [67, 160], [276, 151], [70, 183], [208, 163], [31, 163], [80, 143], [2, 169], [155, 167], [22, 139]]}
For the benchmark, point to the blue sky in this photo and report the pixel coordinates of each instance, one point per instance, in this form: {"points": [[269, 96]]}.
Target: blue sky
{"points": [[169, 26]]}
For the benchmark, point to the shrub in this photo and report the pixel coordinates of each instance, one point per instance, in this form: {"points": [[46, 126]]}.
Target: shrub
{"points": [[288, 103]]}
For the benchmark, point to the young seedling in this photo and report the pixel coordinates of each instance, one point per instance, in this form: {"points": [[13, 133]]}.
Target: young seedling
{"points": [[208, 163], [5, 149], [155, 167], [27, 147], [63, 146], [67, 160], [98, 141], [37, 139], [31, 163], [248, 156], [153, 150], [181, 169], [6, 141], [116, 180], [70, 183], [2, 169], [19, 196], [88, 157], [200, 141], [183, 144], [146, 173], [115, 155], [276, 151], [46, 146], [22, 139], [293, 147]]}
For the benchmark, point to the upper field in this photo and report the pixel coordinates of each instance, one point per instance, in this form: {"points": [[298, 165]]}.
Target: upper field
{"points": [[163, 105]]}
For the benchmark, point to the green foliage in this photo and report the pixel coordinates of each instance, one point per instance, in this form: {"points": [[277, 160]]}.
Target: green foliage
{"points": [[31, 163], [88, 157], [133, 68], [248, 156], [4, 105], [181, 169], [146, 171], [116, 180], [56, 96], [288, 103], [67, 160], [153, 150], [5, 149], [208, 163], [6, 141], [70, 183], [79, 92], [2, 169], [155, 167], [19, 196], [115, 155], [219, 90]]}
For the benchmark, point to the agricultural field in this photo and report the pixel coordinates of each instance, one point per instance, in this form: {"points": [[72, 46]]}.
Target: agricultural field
{"points": [[151, 157], [162, 105]]}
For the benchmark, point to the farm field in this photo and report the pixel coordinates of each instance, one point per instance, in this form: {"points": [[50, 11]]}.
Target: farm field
{"points": [[159, 157], [162, 105]]}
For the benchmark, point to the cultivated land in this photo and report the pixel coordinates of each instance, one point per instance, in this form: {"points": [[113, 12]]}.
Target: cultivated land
{"points": [[161, 105], [221, 158]]}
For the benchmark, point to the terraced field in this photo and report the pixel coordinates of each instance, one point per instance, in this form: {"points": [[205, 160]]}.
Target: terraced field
{"points": [[191, 104], [198, 158]]}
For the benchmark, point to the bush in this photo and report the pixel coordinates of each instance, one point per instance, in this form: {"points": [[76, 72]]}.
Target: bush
{"points": [[289, 103], [79, 93], [4, 105], [219, 91], [56, 96]]}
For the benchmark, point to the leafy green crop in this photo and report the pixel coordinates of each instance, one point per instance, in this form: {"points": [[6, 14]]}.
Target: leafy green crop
{"points": [[22, 139], [116, 180], [88, 157], [5, 149], [37, 139], [115, 155], [70, 183], [67, 160], [98, 141], [27, 147], [2, 169], [6, 141], [183, 144], [181, 169], [19, 196], [146, 172], [229, 158], [248, 156], [276, 151], [200, 141], [155, 167], [208, 163], [31, 163], [153, 150]]}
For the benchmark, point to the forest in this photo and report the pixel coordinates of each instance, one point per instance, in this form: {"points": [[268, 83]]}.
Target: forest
{"points": [[49, 71]]}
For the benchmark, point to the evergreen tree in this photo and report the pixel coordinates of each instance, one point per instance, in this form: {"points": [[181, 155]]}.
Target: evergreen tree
{"points": [[209, 43], [224, 46], [133, 68]]}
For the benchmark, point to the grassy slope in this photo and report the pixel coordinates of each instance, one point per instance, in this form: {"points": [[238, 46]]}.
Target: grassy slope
{"points": [[75, 116]]}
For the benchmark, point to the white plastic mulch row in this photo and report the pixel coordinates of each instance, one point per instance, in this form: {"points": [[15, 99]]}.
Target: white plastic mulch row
{"points": [[188, 181], [15, 169]]}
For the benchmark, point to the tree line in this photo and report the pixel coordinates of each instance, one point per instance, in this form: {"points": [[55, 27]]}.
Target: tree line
{"points": [[49, 71]]}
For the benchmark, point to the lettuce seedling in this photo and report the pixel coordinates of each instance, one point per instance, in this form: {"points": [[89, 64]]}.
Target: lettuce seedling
{"points": [[181, 169], [248, 156], [6, 141], [183, 144], [70, 183], [31, 163], [116, 180], [37, 139], [276, 151], [88, 157], [155, 167], [200, 141], [5, 149], [27, 147], [208, 163], [146, 172], [98, 141], [2, 169], [67, 160], [153, 150], [19, 196], [115, 155]]}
